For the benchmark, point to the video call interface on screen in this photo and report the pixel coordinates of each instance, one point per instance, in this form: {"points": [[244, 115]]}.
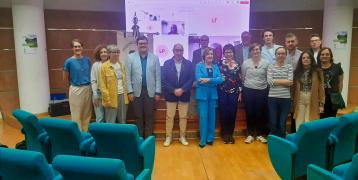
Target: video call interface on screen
{"points": [[184, 21]]}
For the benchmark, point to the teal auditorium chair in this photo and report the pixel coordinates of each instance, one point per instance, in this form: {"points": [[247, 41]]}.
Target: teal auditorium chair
{"points": [[35, 136], [66, 138], [25, 165], [93, 168], [344, 140], [291, 156], [347, 171], [122, 141]]}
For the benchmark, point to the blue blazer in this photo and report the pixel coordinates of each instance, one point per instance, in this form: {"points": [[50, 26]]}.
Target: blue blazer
{"points": [[207, 91], [171, 82]]}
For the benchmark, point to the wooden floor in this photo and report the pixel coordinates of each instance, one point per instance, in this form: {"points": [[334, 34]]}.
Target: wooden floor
{"points": [[218, 162]]}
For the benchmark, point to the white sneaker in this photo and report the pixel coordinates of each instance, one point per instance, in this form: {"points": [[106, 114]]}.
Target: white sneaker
{"points": [[249, 139], [167, 141], [183, 141], [261, 139]]}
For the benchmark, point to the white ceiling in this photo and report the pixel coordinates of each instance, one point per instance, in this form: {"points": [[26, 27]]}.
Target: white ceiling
{"points": [[118, 5]]}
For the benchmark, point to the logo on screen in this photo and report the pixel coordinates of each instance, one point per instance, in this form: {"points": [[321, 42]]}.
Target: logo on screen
{"points": [[213, 20], [162, 51]]}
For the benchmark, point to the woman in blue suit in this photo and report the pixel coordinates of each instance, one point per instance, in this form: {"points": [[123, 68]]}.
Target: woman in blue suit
{"points": [[208, 76]]}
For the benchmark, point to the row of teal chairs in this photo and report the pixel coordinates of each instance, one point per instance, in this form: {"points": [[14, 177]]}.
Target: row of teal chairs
{"points": [[32, 165], [325, 143], [53, 137], [346, 171]]}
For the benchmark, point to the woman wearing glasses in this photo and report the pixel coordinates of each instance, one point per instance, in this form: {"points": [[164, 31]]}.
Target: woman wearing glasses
{"points": [[113, 87]]}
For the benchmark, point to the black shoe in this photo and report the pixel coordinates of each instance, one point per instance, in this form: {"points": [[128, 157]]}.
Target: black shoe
{"points": [[226, 139], [210, 143], [231, 140], [201, 146]]}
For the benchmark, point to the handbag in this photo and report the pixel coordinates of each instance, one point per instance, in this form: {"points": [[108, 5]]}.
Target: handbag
{"points": [[337, 101]]}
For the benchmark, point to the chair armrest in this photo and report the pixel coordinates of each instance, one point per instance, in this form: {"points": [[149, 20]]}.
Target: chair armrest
{"points": [[42, 137], [332, 139], [144, 175], [58, 177], [57, 174], [147, 150], [85, 135], [341, 169], [282, 153], [85, 146], [291, 137], [317, 173]]}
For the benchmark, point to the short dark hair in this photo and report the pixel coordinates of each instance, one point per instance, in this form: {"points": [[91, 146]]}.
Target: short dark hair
{"points": [[253, 45], [141, 38], [280, 48], [228, 47], [76, 40], [267, 30], [290, 35], [315, 35]]}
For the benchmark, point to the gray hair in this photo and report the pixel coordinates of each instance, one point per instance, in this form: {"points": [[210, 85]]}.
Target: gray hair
{"points": [[113, 48]]}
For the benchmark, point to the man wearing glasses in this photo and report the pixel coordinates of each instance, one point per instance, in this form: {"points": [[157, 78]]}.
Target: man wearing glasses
{"points": [[198, 54], [316, 45], [178, 79], [144, 85]]}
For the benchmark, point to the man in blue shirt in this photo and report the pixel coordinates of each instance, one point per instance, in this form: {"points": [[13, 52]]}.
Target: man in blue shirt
{"points": [[269, 47]]}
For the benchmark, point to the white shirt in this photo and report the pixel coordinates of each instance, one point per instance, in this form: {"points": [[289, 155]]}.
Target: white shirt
{"points": [[118, 71]]}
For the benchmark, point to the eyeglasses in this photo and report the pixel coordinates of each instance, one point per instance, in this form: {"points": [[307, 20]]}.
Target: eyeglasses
{"points": [[115, 52]]}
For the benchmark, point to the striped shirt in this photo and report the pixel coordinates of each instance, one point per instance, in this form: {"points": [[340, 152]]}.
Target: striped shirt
{"points": [[275, 72], [254, 76]]}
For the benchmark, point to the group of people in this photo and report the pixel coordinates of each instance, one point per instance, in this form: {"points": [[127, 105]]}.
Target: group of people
{"points": [[268, 79]]}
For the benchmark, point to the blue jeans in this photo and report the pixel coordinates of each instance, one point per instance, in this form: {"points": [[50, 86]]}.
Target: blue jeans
{"points": [[278, 112]]}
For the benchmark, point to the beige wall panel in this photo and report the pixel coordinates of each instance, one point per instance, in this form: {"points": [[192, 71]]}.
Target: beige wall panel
{"points": [[7, 39], [8, 81], [62, 39], [7, 60]]}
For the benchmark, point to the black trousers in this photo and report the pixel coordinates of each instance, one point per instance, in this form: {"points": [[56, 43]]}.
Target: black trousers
{"points": [[256, 110], [328, 110], [144, 113], [228, 107]]}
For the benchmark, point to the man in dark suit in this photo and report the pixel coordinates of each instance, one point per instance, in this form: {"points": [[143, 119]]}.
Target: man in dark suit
{"points": [[177, 79], [198, 54], [242, 49]]}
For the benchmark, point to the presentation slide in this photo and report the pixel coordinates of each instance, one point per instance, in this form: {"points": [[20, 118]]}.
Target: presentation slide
{"points": [[179, 21]]}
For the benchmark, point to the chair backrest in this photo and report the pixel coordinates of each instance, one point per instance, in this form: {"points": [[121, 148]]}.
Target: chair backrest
{"points": [[65, 136], [120, 141], [79, 167], [22, 164], [31, 128], [352, 172], [311, 140], [347, 133]]}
